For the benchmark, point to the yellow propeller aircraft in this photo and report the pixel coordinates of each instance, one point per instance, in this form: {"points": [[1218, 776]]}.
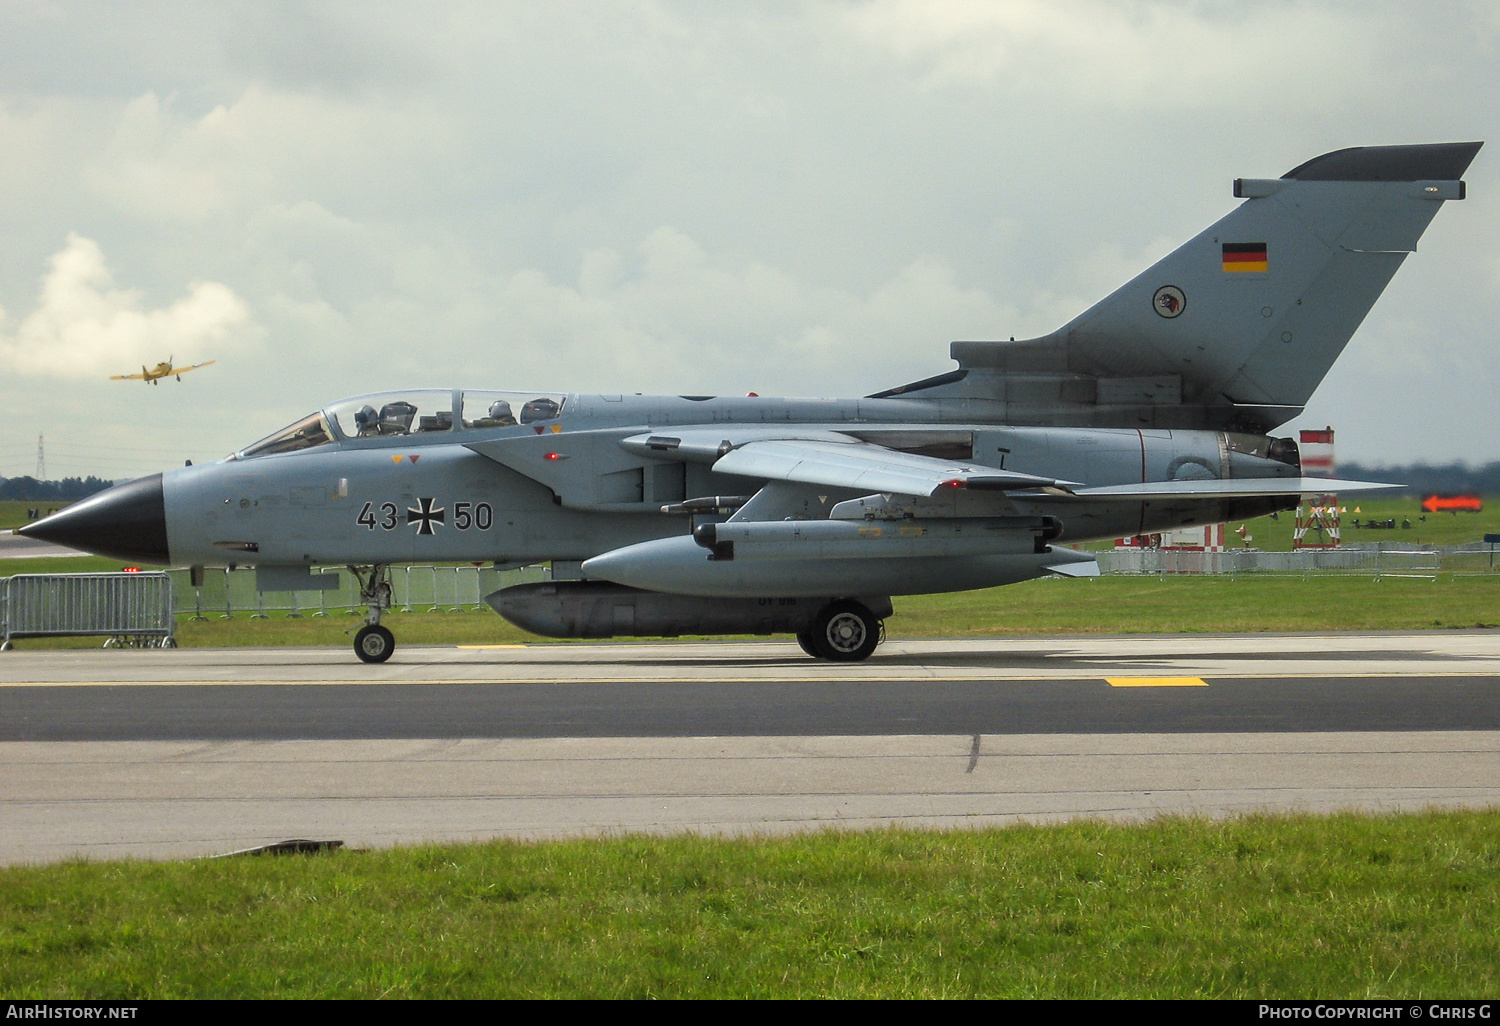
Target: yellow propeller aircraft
{"points": [[161, 370]]}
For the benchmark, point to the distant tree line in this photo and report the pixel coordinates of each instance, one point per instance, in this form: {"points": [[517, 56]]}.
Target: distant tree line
{"points": [[1444, 479], [29, 489]]}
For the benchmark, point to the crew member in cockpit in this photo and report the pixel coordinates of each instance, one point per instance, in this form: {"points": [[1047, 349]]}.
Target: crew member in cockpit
{"points": [[498, 415], [499, 412], [367, 422]]}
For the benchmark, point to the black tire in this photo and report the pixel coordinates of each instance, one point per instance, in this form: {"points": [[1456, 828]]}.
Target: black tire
{"points": [[805, 639], [374, 644], [845, 632]]}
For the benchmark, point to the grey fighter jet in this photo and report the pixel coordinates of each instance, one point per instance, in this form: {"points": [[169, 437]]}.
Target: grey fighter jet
{"points": [[667, 515]]}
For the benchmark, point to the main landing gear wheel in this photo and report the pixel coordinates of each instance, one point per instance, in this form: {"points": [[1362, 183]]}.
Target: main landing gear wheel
{"points": [[374, 644], [845, 632], [805, 639]]}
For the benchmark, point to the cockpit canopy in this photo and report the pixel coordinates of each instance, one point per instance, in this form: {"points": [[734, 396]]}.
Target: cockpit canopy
{"points": [[413, 412], [392, 413]]}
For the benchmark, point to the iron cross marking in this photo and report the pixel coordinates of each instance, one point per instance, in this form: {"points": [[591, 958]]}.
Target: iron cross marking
{"points": [[425, 517]]}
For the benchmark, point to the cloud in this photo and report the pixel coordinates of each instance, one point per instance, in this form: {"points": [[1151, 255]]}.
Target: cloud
{"points": [[1165, 55], [263, 146], [84, 326], [674, 315], [681, 197]]}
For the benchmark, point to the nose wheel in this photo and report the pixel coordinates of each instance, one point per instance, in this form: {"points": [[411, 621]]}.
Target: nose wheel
{"points": [[374, 644]]}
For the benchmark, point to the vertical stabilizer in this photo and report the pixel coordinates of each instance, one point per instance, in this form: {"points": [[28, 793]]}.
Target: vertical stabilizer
{"points": [[1251, 313]]}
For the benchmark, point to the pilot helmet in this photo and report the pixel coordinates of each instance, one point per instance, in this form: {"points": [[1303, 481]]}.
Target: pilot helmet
{"points": [[366, 420], [500, 410], [539, 409]]}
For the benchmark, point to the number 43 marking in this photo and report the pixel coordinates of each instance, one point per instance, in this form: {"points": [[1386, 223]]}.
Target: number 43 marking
{"points": [[479, 516]]}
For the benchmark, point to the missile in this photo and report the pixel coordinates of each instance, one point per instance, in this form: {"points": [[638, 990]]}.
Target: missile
{"points": [[894, 566], [846, 539], [722, 505]]}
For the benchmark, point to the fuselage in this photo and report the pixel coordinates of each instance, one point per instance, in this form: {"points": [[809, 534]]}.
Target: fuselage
{"points": [[559, 486]]}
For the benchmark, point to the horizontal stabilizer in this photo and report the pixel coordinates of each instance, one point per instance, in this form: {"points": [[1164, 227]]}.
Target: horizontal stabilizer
{"points": [[1231, 489], [1086, 569]]}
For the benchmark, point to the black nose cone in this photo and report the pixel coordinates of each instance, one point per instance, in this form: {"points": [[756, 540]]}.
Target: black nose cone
{"points": [[128, 521]]}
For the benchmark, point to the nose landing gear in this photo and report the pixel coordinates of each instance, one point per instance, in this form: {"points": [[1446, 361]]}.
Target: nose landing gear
{"points": [[372, 642]]}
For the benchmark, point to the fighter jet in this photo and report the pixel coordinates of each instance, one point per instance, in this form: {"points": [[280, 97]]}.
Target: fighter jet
{"points": [[162, 370], [696, 514]]}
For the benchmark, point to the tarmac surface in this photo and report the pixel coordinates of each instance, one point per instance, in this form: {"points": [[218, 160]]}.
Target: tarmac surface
{"points": [[15, 546], [165, 754]]}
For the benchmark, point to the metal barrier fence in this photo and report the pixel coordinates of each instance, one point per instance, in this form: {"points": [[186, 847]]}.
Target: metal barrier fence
{"points": [[130, 609], [229, 593]]}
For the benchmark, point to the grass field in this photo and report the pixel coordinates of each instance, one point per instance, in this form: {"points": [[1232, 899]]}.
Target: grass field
{"points": [[1105, 605], [13, 511], [1275, 535], [1344, 906]]}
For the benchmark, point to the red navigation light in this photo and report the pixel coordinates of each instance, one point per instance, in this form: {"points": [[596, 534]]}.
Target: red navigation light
{"points": [[130, 569], [554, 456], [957, 482]]}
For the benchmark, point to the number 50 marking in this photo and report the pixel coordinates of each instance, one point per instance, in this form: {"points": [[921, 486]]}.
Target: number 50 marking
{"points": [[481, 517]]}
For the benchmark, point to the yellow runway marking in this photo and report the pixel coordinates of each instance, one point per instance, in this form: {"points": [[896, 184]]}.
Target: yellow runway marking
{"points": [[486, 648], [1156, 682], [662, 678]]}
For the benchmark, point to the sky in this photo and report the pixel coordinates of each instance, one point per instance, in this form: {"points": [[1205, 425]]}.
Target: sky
{"points": [[329, 199]]}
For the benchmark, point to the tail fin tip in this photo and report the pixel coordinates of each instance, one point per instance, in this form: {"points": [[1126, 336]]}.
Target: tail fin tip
{"points": [[1440, 162]]}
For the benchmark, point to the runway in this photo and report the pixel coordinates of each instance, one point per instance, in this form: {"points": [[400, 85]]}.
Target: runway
{"points": [[14, 546], [173, 753]]}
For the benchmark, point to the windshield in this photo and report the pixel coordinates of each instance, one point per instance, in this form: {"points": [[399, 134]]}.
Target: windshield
{"points": [[307, 432]]}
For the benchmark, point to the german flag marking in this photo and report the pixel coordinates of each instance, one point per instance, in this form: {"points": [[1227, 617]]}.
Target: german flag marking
{"points": [[1156, 682], [1245, 256]]}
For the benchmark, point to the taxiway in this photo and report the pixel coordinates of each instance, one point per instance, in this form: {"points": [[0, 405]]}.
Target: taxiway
{"points": [[191, 752]]}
